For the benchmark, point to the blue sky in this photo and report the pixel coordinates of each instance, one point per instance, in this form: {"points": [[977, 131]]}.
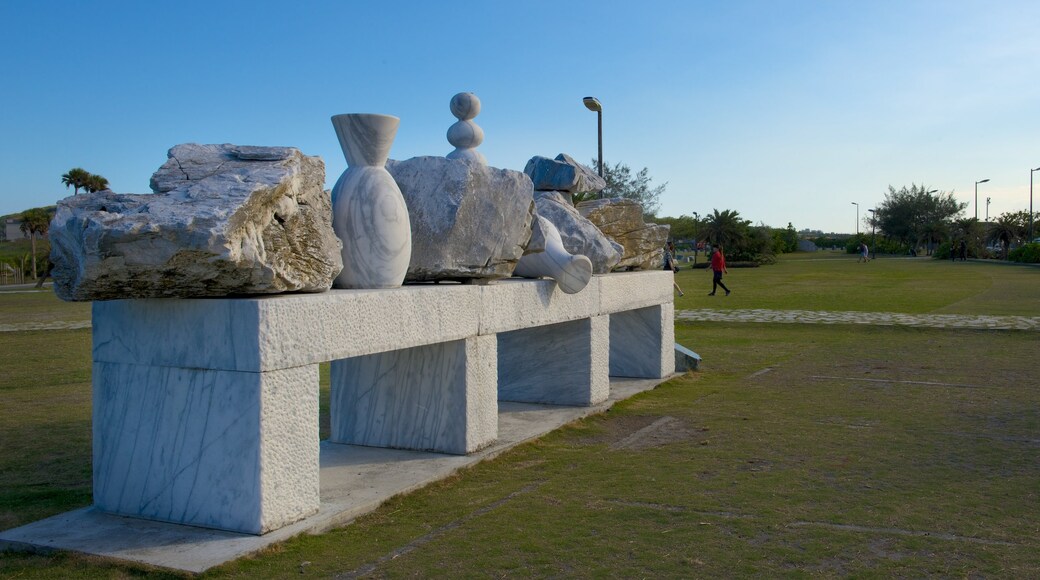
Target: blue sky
{"points": [[786, 111]]}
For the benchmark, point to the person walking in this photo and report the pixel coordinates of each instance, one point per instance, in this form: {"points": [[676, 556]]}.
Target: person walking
{"points": [[864, 253], [671, 264], [718, 267]]}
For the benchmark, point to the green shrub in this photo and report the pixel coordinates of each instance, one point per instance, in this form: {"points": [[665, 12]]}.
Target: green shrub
{"points": [[1026, 254]]}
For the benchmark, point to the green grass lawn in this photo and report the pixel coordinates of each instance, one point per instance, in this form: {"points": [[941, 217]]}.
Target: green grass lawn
{"points": [[797, 450]]}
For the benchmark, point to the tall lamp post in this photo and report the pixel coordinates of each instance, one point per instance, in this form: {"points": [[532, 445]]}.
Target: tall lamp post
{"points": [[873, 233], [988, 199], [977, 197], [1031, 203], [857, 217], [696, 232], [593, 104]]}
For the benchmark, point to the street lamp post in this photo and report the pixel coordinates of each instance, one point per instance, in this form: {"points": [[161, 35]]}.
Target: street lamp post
{"points": [[977, 197], [988, 199], [873, 233], [593, 104], [696, 231], [1031, 203], [857, 217]]}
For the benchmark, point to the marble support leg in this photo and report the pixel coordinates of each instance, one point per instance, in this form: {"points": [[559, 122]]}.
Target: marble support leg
{"points": [[229, 450], [439, 397], [642, 342], [557, 364]]}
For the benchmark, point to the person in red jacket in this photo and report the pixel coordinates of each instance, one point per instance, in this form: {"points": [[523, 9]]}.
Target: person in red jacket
{"points": [[718, 266]]}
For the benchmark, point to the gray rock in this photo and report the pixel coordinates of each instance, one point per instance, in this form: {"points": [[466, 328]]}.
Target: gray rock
{"points": [[622, 221], [685, 359], [224, 220], [469, 221], [580, 236], [562, 174]]}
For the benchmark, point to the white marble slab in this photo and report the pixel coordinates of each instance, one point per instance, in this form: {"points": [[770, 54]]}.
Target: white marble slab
{"points": [[642, 342], [557, 364], [437, 398], [515, 303], [289, 330], [629, 290], [226, 450]]}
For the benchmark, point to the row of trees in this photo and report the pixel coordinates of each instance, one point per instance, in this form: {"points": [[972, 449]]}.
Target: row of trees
{"points": [[917, 217], [78, 178]]}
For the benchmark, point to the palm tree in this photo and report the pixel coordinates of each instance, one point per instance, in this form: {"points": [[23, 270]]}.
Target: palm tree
{"points": [[724, 228], [1005, 230], [35, 223], [96, 183], [76, 178]]}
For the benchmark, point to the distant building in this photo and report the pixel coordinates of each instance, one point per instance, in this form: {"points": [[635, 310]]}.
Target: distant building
{"points": [[13, 230]]}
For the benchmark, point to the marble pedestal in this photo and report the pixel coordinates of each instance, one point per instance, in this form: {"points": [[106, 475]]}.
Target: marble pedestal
{"points": [[439, 397], [556, 364], [219, 449], [642, 342], [206, 413]]}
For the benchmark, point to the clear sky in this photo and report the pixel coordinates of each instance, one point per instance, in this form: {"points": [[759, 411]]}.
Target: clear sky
{"points": [[784, 110]]}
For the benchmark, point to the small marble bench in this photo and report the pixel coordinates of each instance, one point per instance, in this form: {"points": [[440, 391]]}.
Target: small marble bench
{"points": [[205, 411]]}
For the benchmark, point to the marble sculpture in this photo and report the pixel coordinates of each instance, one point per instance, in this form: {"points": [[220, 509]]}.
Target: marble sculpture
{"points": [[572, 273], [466, 135], [579, 235], [562, 174], [368, 212], [224, 220]]}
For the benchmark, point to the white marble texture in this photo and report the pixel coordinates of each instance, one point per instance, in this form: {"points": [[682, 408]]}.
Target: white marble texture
{"points": [[571, 272], [431, 398], [369, 214], [181, 437], [642, 342], [515, 303], [227, 450], [465, 135], [630, 290], [557, 364], [275, 332]]}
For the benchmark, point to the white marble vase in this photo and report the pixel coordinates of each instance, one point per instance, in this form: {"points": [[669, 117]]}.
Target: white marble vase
{"points": [[369, 214]]}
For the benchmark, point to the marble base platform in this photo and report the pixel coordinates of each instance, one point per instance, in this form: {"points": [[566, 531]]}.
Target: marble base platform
{"points": [[354, 481], [205, 410]]}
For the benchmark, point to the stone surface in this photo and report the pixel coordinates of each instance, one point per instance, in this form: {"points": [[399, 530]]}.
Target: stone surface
{"points": [[562, 174], [622, 221], [686, 359], [439, 397], [465, 135], [571, 272], [224, 220], [557, 364], [236, 443], [469, 221], [642, 342], [226, 450], [580, 236]]}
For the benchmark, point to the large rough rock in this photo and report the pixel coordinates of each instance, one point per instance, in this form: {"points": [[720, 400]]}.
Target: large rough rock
{"points": [[469, 221], [580, 236], [562, 174], [622, 220], [224, 220]]}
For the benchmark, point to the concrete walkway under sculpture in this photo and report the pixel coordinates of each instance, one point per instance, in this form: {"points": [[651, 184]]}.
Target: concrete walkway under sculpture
{"points": [[954, 321], [354, 481]]}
